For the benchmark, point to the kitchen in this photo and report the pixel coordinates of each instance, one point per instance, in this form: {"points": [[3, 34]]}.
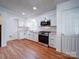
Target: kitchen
{"points": [[45, 23], [56, 27]]}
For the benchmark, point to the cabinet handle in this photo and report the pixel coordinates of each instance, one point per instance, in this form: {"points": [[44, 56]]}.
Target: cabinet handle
{"points": [[52, 39], [62, 34]]}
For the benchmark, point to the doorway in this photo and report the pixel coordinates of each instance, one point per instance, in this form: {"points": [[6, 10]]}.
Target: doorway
{"points": [[0, 35]]}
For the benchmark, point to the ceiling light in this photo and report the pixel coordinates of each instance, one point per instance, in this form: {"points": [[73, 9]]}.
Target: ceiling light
{"points": [[34, 8], [23, 13]]}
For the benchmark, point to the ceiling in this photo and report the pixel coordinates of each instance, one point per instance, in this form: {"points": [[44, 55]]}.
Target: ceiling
{"points": [[26, 6]]}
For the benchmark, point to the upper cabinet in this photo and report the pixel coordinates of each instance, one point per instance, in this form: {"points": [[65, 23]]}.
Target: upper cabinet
{"points": [[52, 18]]}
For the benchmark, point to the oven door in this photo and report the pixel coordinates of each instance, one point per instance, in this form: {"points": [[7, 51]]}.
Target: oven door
{"points": [[43, 39]]}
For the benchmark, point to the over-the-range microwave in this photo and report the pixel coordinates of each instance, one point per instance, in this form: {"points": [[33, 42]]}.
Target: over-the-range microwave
{"points": [[45, 23]]}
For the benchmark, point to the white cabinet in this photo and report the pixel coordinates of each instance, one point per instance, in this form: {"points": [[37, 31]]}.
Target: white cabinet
{"points": [[27, 35], [36, 36], [52, 40], [32, 36], [21, 32], [53, 19], [21, 35]]}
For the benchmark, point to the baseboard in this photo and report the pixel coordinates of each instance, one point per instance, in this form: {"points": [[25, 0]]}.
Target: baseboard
{"points": [[3, 45], [73, 54], [58, 50]]}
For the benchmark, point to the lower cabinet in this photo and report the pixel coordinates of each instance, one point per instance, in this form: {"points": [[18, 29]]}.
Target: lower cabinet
{"points": [[52, 40], [21, 34], [35, 36], [32, 36]]}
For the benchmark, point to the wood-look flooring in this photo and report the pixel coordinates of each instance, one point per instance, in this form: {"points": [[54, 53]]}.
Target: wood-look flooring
{"points": [[25, 49]]}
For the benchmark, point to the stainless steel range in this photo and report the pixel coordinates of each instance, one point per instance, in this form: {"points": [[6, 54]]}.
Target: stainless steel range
{"points": [[44, 37]]}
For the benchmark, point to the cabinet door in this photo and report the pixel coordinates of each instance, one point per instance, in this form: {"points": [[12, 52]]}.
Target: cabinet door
{"points": [[52, 41], [35, 36], [31, 36], [43, 39], [21, 34], [53, 19], [27, 35]]}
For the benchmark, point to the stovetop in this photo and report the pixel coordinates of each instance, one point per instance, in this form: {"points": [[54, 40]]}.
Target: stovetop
{"points": [[44, 33]]}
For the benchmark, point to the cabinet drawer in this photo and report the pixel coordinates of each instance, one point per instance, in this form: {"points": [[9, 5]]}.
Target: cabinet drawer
{"points": [[51, 40]]}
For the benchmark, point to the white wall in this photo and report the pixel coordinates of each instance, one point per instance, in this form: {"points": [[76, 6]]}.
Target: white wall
{"points": [[9, 26], [68, 24], [0, 19]]}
